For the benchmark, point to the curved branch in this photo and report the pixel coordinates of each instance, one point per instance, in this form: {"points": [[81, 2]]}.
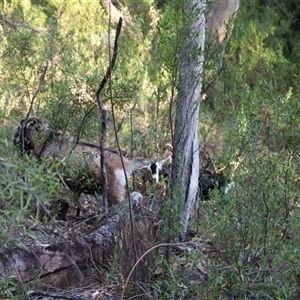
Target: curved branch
{"points": [[107, 76], [103, 110]]}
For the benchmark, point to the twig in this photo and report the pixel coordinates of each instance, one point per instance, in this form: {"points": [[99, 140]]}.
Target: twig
{"points": [[50, 35], [102, 142], [16, 25], [80, 127], [103, 110], [126, 178], [131, 110], [157, 246], [10, 24]]}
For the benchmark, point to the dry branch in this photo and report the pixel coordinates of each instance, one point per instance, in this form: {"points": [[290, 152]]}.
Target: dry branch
{"points": [[55, 295], [103, 110], [15, 25]]}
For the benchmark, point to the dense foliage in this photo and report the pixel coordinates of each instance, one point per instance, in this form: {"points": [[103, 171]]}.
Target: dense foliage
{"points": [[250, 111]]}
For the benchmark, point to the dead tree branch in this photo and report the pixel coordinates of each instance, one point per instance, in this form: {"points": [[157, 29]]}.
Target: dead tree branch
{"points": [[103, 110], [131, 112], [8, 23], [55, 295], [15, 26]]}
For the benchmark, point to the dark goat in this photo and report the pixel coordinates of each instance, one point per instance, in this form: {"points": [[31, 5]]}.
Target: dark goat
{"points": [[209, 181]]}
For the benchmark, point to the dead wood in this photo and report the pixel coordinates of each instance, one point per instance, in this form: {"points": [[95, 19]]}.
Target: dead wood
{"points": [[78, 261], [32, 294], [103, 111]]}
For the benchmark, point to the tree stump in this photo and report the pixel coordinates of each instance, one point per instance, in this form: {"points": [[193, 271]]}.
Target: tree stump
{"points": [[84, 254]]}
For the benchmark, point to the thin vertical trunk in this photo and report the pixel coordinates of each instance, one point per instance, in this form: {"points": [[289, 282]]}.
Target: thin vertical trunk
{"points": [[219, 15], [185, 167]]}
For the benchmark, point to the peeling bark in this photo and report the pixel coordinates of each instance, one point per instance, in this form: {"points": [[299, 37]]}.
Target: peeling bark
{"points": [[185, 166], [69, 263]]}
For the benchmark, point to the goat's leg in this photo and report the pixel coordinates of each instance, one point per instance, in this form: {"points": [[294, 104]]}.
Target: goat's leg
{"points": [[115, 193]]}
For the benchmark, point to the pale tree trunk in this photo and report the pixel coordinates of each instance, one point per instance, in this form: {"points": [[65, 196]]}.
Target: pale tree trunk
{"points": [[220, 19], [115, 14], [185, 166], [219, 15]]}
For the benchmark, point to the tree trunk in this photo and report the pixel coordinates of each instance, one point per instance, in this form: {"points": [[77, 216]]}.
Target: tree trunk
{"points": [[185, 167], [219, 14], [116, 14], [219, 26]]}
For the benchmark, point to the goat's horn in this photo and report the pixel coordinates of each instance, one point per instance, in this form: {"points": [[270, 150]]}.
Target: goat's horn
{"points": [[144, 167], [164, 160], [169, 145]]}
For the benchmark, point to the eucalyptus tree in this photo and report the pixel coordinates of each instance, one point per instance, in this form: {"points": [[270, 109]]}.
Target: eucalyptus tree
{"points": [[185, 166]]}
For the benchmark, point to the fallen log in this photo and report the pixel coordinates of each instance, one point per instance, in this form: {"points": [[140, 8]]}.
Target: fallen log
{"points": [[77, 260]]}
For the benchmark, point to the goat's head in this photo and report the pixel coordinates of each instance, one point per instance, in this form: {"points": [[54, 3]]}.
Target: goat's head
{"points": [[29, 134]]}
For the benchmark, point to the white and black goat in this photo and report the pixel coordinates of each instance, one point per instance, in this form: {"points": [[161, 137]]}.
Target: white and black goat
{"points": [[161, 168], [79, 164]]}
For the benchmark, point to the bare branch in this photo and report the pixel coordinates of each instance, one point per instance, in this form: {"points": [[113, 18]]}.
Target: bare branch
{"points": [[56, 295], [131, 112], [103, 110], [16, 25], [107, 76], [8, 23]]}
